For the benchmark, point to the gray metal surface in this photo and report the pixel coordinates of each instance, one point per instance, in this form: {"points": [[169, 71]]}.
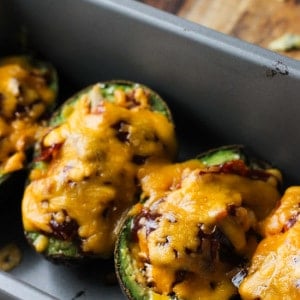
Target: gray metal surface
{"points": [[220, 89], [16, 289]]}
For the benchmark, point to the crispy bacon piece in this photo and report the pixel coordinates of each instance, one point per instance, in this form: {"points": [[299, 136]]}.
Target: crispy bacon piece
{"points": [[48, 153], [145, 218], [237, 167], [65, 230]]}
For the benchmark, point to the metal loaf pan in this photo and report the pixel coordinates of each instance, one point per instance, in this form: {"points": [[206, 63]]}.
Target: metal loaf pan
{"points": [[221, 91]]}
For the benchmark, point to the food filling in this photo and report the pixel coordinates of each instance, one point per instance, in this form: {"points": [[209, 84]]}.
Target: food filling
{"points": [[86, 173], [274, 272], [25, 95], [197, 226]]}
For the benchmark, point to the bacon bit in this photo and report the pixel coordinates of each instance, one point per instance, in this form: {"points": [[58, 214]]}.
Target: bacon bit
{"points": [[212, 237], [180, 276], [146, 219], [291, 222], [214, 248], [64, 230], [221, 215], [237, 167], [48, 153], [213, 285], [141, 96], [139, 159], [2, 98], [42, 77], [231, 209], [122, 131], [109, 209], [219, 246], [131, 102], [21, 110]]}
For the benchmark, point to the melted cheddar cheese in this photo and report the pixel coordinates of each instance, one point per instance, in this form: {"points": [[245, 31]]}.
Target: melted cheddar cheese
{"points": [[275, 267], [194, 227], [24, 97], [90, 179], [284, 215]]}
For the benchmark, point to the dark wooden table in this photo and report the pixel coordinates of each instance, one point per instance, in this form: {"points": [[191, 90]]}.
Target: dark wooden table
{"points": [[256, 21]]}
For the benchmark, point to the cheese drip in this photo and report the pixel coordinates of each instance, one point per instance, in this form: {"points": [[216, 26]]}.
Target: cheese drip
{"points": [[193, 227], [25, 95], [91, 178]]}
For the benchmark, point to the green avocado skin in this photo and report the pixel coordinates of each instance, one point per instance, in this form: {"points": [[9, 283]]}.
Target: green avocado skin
{"points": [[59, 250], [123, 264], [125, 270], [221, 156]]}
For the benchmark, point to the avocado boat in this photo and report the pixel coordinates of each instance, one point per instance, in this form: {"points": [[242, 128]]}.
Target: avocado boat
{"points": [[28, 90], [274, 267], [85, 172], [195, 225]]}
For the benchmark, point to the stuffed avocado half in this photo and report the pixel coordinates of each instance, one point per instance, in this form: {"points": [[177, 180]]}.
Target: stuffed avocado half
{"points": [[195, 226], [28, 90], [275, 265], [84, 175]]}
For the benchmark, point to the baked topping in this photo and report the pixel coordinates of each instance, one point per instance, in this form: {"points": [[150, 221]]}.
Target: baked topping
{"points": [[25, 95], [196, 226], [285, 215], [274, 270], [85, 174]]}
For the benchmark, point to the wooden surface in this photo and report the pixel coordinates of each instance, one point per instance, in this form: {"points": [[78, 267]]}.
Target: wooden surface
{"points": [[256, 21]]}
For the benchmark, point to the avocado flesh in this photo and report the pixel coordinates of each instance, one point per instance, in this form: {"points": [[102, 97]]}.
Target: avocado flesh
{"points": [[56, 248]]}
